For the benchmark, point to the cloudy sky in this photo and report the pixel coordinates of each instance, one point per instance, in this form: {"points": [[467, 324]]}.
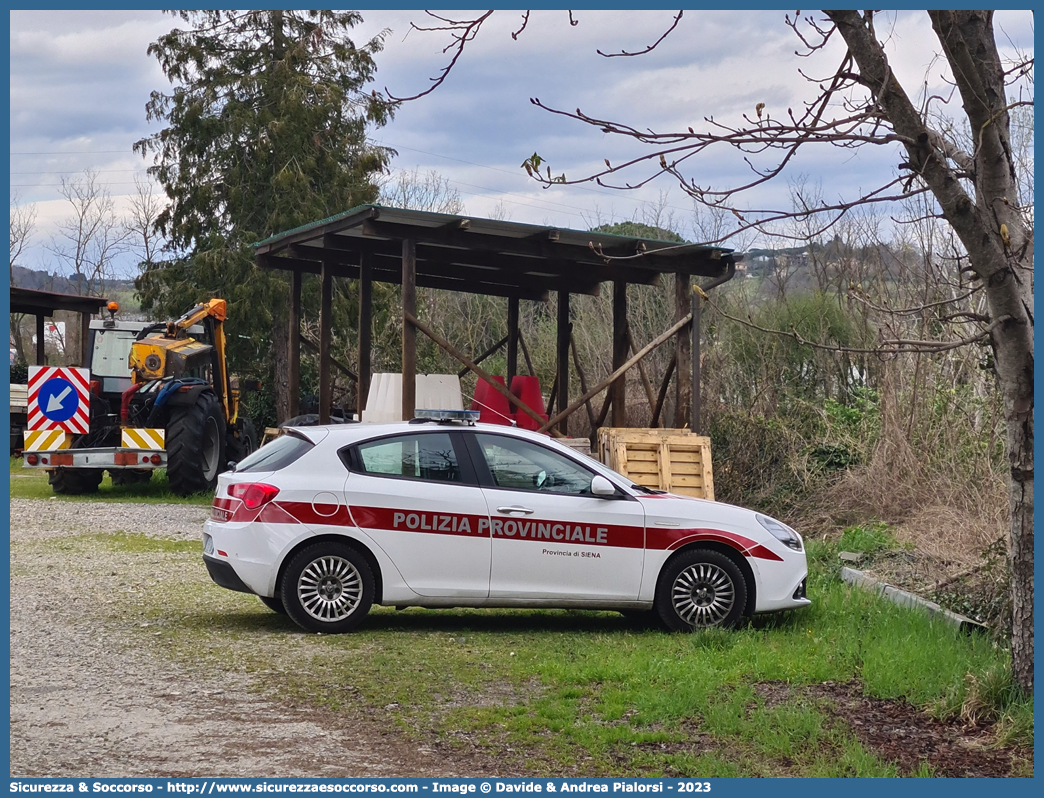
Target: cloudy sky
{"points": [[80, 81]]}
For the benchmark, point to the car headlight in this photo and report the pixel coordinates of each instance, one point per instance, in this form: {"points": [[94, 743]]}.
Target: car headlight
{"points": [[781, 532]]}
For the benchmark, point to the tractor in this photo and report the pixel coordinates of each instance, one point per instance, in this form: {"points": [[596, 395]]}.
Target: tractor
{"points": [[176, 408]]}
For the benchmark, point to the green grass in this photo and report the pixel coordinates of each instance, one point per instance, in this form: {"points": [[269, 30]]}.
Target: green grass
{"points": [[583, 693], [870, 538], [31, 483]]}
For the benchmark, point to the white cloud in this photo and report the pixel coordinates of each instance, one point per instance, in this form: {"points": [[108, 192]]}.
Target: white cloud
{"points": [[80, 81]]}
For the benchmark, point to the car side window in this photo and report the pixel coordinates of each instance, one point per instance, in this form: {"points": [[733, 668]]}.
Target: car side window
{"points": [[429, 456], [521, 465]]}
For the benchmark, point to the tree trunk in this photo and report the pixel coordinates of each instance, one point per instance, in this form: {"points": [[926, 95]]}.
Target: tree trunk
{"points": [[281, 365], [16, 335], [998, 241]]}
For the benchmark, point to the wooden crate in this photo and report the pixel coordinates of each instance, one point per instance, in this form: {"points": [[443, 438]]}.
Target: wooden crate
{"points": [[19, 398], [668, 459]]}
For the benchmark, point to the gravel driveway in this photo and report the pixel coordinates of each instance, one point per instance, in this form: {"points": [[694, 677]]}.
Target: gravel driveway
{"points": [[89, 700]]}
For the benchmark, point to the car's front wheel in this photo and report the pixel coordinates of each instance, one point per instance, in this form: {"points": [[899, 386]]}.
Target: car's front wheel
{"points": [[700, 589], [327, 587]]}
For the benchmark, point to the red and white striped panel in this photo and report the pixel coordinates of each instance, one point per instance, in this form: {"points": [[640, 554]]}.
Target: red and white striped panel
{"points": [[80, 380]]}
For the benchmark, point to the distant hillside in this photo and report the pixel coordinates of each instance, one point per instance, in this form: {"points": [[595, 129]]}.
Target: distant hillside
{"points": [[45, 281]]}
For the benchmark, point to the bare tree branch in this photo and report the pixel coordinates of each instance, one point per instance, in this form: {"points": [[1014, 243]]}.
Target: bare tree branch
{"points": [[652, 46], [463, 31]]}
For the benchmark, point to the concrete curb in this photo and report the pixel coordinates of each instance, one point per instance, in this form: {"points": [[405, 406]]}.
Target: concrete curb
{"points": [[906, 599]]}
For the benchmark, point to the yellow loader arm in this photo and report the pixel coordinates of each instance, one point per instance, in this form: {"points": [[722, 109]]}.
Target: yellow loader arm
{"points": [[174, 353]]}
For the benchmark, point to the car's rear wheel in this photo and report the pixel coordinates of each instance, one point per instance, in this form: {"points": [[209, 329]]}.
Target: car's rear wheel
{"points": [[700, 589], [275, 604], [327, 587]]}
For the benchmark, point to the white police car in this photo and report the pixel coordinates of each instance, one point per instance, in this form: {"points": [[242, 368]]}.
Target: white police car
{"points": [[324, 522]]}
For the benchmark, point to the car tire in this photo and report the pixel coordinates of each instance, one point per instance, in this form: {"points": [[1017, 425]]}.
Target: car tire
{"points": [[195, 446], [327, 587], [700, 589], [274, 603]]}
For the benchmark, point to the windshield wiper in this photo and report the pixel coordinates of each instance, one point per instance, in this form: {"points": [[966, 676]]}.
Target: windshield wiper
{"points": [[643, 489]]}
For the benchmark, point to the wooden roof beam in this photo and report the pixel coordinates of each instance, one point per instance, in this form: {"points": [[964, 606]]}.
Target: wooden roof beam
{"points": [[556, 266], [464, 265], [384, 273]]}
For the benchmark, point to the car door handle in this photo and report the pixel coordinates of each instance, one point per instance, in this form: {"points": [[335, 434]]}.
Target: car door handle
{"points": [[515, 509]]}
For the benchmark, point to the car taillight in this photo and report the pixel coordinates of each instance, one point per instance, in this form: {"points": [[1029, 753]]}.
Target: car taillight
{"points": [[32, 459], [253, 494]]}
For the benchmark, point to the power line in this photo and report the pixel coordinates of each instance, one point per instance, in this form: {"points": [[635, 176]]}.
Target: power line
{"points": [[78, 152], [75, 172], [58, 185]]}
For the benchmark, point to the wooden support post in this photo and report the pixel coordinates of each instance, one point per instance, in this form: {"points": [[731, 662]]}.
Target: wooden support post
{"points": [[293, 355], [409, 331], [682, 348], [662, 395], [696, 371], [365, 329], [563, 359], [603, 414], [646, 382], [619, 387], [347, 372], [583, 381], [484, 355], [452, 351], [512, 339], [608, 380], [525, 354], [41, 351], [85, 339], [325, 336]]}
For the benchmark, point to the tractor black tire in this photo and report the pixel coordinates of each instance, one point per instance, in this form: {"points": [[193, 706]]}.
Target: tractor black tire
{"points": [[75, 481], [195, 446], [127, 476], [237, 448]]}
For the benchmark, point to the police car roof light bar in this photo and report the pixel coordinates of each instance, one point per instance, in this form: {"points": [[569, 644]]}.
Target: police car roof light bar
{"points": [[443, 416]]}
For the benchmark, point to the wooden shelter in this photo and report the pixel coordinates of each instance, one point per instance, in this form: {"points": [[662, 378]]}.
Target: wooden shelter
{"points": [[484, 256], [43, 304]]}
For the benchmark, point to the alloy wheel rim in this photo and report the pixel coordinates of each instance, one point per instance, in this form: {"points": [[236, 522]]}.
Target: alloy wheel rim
{"points": [[330, 588], [703, 595]]}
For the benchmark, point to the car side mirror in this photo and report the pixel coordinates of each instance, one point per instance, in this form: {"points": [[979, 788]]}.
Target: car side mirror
{"points": [[600, 486]]}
